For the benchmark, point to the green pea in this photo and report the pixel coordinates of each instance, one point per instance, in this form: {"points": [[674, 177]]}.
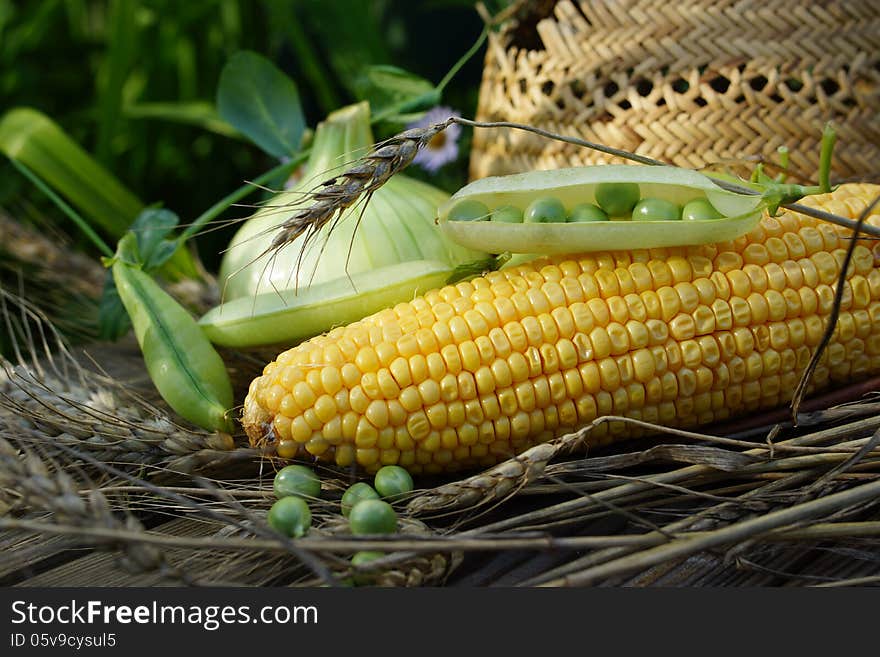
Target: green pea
{"points": [[699, 209], [360, 559], [290, 516], [296, 480], [656, 209], [372, 517], [469, 211], [184, 366], [544, 210], [617, 199], [392, 481], [356, 493], [586, 212], [507, 214]]}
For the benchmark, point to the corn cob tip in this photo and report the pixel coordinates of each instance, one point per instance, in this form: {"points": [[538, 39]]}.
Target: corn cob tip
{"points": [[257, 423]]}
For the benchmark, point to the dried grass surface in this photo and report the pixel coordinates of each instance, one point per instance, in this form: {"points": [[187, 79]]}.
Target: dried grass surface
{"points": [[99, 486]]}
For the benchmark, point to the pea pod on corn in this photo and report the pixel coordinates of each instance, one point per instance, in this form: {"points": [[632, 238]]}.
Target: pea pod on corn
{"points": [[467, 375], [645, 192]]}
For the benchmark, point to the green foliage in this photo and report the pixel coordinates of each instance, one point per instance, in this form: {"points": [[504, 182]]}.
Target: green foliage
{"points": [[134, 83]]}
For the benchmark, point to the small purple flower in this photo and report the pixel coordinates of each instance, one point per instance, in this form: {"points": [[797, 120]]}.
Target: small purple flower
{"points": [[443, 147]]}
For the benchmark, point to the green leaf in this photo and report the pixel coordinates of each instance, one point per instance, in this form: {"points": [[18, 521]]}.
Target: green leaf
{"points": [[392, 90], [49, 155], [30, 137], [155, 240], [261, 102]]}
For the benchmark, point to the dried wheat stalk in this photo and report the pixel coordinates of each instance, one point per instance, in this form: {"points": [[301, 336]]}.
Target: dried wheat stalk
{"points": [[32, 484], [335, 195]]}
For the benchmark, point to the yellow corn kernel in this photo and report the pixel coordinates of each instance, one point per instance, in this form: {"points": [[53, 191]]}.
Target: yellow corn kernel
{"points": [[418, 368]]}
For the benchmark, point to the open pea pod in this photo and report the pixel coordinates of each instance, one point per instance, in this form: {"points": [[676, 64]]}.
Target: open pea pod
{"points": [[289, 316], [184, 366], [739, 213]]}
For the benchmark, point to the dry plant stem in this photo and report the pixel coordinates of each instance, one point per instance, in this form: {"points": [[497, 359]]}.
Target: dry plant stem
{"points": [[641, 159], [694, 435], [550, 488], [480, 543], [686, 546], [828, 530], [188, 490], [608, 554], [555, 515], [331, 198], [856, 581], [723, 493], [641, 502], [655, 496], [849, 463], [675, 476], [783, 480], [786, 480]]}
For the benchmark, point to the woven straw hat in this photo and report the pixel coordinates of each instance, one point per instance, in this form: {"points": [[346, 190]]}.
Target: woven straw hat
{"points": [[690, 82]]}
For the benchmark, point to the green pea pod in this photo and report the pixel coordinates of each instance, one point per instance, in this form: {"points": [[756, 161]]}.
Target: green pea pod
{"points": [[290, 316], [186, 370], [740, 213]]}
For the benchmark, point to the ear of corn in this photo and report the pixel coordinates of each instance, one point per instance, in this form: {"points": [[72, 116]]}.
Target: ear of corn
{"points": [[470, 374]]}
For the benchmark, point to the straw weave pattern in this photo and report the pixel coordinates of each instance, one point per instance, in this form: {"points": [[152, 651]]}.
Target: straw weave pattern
{"points": [[691, 82]]}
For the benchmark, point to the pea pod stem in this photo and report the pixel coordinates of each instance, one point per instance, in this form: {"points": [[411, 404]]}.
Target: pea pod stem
{"points": [[783, 163], [829, 137], [851, 224], [641, 159]]}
